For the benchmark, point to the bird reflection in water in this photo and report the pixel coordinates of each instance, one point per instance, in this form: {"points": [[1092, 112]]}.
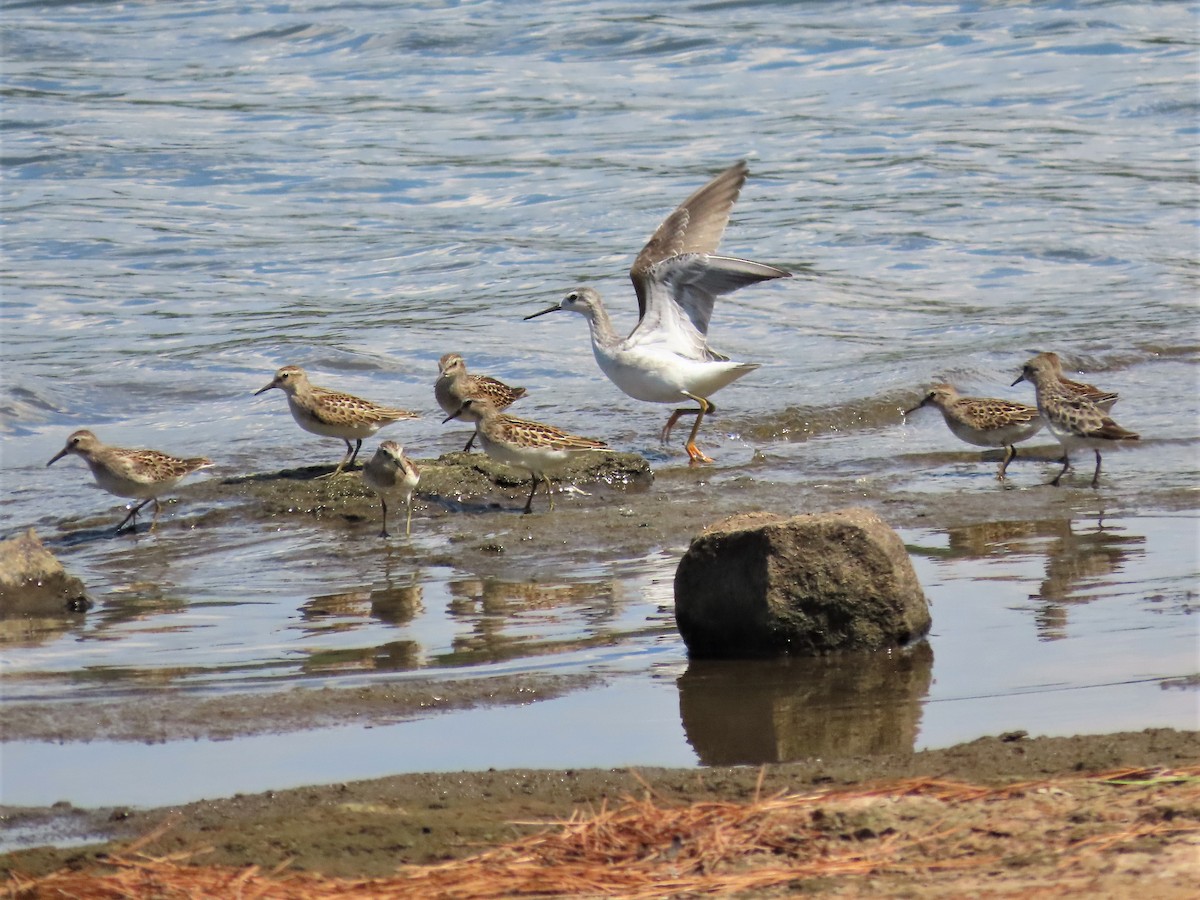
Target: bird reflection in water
{"points": [[1078, 559], [349, 610], [1078, 562], [512, 619]]}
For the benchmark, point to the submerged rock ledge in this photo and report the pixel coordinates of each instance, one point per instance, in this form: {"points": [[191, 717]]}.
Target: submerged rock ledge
{"points": [[454, 478]]}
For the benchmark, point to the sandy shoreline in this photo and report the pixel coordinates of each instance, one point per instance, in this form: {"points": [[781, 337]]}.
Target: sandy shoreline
{"points": [[369, 829]]}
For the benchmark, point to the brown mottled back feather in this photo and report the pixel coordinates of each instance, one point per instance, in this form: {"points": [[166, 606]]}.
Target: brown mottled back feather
{"points": [[337, 408], [455, 385]]}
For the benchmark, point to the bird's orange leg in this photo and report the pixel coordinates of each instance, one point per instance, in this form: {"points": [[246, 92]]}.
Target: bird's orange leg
{"points": [[665, 434], [693, 451]]}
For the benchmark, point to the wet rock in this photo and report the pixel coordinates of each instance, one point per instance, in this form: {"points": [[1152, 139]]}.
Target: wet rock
{"points": [[34, 583], [454, 477], [759, 584], [477, 474]]}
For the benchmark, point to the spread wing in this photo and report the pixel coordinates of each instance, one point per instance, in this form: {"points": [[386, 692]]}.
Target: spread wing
{"points": [[679, 296], [677, 277], [696, 226]]}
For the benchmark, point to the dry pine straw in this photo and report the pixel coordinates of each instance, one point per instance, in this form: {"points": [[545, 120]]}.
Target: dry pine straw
{"points": [[645, 849]]}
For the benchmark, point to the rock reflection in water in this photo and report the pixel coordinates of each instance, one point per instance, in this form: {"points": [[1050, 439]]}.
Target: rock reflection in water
{"points": [[30, 631], [748, 712]]}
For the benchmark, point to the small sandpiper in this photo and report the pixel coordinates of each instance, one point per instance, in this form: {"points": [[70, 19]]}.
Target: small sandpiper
{"points": [[454, 386], [1076, 422], [677, 277], [390, 473], [984, 421], [332, 413], [141, 474], [527, 445], [1079, 389]]}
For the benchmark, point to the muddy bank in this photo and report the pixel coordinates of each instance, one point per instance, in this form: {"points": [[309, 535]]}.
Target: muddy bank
{"points": [[149, 717], [370, 828], [455, 481], [613, 505]]}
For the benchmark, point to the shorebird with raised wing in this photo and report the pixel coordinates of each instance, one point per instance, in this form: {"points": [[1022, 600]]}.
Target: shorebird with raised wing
{"points": [[677, 278]]}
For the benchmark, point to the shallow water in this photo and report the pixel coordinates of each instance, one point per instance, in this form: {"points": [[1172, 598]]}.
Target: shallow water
{"points": [[1055, 627], [196, 194]]}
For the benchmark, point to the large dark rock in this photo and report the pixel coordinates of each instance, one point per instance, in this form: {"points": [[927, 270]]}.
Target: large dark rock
{"points": [[33, 581], [760, 584]]}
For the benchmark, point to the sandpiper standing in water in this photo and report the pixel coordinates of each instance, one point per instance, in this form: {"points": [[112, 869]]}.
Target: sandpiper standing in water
{"points": [[984, 421], [677, 278], [390, 473], [1074, 421], [332, 413], [142, 474], [527, 445], [455, 386]]}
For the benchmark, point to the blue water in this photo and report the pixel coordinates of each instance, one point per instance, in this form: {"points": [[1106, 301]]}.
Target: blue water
{"points": [[197, 193]]}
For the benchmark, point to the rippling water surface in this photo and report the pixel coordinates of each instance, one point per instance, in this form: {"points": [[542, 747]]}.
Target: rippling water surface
{"points": [[198, 193]]}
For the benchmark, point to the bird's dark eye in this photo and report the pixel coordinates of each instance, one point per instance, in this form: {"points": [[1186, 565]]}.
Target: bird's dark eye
{"points": [[572, 297]]}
